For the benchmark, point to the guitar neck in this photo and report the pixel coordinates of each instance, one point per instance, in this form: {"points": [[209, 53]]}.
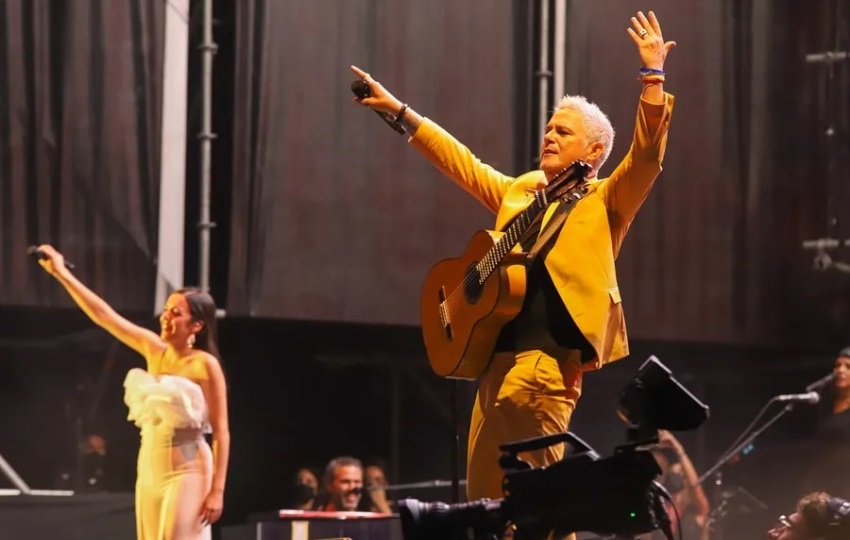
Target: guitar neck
{"points": [[560, 187], [512, 235]]}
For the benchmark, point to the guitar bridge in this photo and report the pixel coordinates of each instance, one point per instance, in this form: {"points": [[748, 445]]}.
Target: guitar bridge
{"points": [[445, 320]]}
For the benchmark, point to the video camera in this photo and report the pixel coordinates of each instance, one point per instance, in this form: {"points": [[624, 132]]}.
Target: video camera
{"points": [[616, 495]]}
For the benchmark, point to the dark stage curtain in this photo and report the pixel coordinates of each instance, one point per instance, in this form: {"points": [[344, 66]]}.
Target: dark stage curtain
{"points": [[334, 216], [80, 103], [715, 254], [335, 219]]}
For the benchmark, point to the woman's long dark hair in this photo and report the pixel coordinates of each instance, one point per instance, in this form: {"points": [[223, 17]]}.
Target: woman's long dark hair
{"points": [[203, 309]]}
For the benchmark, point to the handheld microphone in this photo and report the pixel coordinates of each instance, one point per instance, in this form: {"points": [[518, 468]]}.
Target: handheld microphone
{"points": [[820, 383], [810, 398], [362, 91], [38, 252]]}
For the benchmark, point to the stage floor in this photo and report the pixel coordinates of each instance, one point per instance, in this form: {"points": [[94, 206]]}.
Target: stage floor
{"points": [[75, 517]]}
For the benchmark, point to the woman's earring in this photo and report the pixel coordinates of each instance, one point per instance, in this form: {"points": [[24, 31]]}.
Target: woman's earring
{"points": [[191, 340]]}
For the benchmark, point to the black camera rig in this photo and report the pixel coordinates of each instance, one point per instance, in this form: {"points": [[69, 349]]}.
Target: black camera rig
{"points": [[617, 495]]}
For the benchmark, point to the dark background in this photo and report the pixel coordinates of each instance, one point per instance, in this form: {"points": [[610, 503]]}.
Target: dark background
{"points": [[327, 222]]}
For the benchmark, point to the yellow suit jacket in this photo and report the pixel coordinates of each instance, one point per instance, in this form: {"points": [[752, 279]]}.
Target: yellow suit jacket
{"points": [[581, 259]]}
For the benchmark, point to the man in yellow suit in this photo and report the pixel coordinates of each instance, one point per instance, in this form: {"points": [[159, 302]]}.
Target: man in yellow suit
{"points": [[572, 319]]}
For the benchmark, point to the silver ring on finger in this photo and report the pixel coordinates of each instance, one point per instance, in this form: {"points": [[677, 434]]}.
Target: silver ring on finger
{"points": [[642, 32]]}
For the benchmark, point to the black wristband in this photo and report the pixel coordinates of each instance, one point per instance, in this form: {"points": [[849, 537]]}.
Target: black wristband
{"points": [[401, 113]]}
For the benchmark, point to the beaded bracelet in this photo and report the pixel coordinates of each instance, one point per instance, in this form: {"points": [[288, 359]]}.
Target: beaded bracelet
{"points": [[651, 71], [651, 79], [401, 114]]}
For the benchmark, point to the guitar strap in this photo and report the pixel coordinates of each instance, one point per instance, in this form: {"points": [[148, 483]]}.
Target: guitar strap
{"points": [[559, 217]]}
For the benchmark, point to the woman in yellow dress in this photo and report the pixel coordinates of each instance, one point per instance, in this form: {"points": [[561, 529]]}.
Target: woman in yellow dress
{"points": [[182, 395]]}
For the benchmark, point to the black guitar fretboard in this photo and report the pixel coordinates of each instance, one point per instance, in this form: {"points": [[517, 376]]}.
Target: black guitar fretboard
{"points": [[512, 235], [554, 190]]}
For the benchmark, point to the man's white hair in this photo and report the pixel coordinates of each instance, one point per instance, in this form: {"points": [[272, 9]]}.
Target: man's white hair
{"points": [[596, 124]]}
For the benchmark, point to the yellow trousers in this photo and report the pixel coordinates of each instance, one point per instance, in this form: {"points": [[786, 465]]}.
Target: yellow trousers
{"points": [[522, 395], [174, 477]]}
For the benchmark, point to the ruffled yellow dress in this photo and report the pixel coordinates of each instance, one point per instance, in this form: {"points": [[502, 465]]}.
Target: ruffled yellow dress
{"points": [[175, 463]]}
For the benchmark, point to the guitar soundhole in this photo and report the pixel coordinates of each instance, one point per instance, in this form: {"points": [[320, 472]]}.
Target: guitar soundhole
{"points": [[471, 285]]}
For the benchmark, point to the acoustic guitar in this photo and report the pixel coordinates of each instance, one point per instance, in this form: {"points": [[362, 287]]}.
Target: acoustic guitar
{"points": [[466, 301]]}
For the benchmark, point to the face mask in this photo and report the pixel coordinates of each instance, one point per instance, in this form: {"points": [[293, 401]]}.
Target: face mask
{"points": [[674, 482], [303, 493]]}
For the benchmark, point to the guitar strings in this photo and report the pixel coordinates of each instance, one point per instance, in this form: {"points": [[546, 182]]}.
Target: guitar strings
{"points": [[451, 300], [470, 277]]}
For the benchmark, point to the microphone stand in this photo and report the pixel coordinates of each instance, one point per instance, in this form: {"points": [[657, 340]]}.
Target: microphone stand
{"points": [[455, 442], [719, 503]]}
